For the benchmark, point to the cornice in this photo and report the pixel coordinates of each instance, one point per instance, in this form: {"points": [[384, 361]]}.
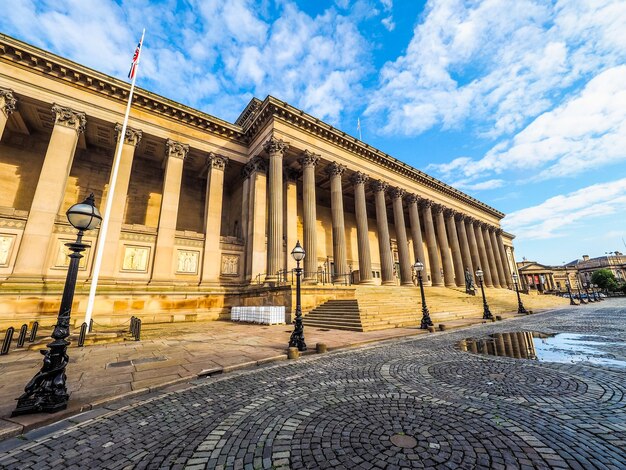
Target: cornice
{"points": [[252, 120], [272, 108], [34, 59]]}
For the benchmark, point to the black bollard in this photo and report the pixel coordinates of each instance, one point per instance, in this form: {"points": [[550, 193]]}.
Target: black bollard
{"points": [[33, 332], [22, 337], [6, 344], [82, 335]]}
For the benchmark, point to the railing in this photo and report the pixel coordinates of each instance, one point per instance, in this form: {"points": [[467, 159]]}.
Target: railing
{"points": [[288, 277], [24, 336]]}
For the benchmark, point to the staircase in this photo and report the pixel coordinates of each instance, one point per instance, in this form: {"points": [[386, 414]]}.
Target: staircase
{"points": [[336, 315], [378, 307]]}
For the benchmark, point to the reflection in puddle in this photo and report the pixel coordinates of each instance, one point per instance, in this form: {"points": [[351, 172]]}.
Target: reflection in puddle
{"points": [[562, 347]]}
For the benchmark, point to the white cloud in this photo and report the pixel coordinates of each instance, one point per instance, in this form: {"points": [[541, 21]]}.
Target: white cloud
{"points": [[481, 186], [388, 23], [550, 218], [208, 52], [588, 131], [495, 63]]}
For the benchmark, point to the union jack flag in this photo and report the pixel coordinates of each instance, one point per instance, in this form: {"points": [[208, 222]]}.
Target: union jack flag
{"points": [[133, 65]]}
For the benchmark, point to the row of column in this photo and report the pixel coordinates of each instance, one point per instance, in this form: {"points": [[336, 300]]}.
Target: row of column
{"points": [[68, 126], [464, 243]]}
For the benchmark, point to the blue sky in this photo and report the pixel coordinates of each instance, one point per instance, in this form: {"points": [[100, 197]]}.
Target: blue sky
{"points": [[521, 104]]}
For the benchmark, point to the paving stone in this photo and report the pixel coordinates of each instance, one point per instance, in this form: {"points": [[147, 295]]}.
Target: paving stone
{"points": [[340, 410]]}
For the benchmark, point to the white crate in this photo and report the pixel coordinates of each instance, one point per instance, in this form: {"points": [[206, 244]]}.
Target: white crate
{"points": [[265, 315]]}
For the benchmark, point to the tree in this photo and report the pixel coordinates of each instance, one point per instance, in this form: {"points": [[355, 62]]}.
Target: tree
{"points": [[605, 279]]}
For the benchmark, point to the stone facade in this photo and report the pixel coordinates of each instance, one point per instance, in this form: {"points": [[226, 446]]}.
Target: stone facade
{"points": [[205, 212]]}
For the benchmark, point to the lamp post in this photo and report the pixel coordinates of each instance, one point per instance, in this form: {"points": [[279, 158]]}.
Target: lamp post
{"points": [[569, 292], [47, 391], [595, 292], [580, 294], [297, 337], [520, 305], [586, 287], [426, 321], [486, 312]]}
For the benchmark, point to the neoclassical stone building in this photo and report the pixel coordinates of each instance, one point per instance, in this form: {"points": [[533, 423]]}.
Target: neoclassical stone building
{"points": [[205, 212]]}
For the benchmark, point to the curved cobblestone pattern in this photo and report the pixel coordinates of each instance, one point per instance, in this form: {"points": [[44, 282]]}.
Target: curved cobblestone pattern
{"points": [[341, 410]]}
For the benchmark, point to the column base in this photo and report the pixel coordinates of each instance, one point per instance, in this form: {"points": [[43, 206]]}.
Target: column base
{"points": [[451, 284], [367, 282], [388, 283], [407, 284]]}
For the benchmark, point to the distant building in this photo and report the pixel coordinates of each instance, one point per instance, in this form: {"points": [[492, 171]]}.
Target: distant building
{"points": [[616, 263]]}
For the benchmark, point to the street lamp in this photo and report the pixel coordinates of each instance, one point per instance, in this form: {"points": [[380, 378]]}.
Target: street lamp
{"points": [[47, 391], [569, 292], [426, 321], [580, 294], [520, 305], [297, 337], [586, 287], [486, 312], [595, 292]]}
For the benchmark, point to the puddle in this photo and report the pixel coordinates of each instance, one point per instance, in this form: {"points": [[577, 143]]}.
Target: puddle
{"points": [[561, 347]]}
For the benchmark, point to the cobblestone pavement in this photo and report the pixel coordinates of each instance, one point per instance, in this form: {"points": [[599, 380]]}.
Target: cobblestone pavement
{"points": [[359, 409]]}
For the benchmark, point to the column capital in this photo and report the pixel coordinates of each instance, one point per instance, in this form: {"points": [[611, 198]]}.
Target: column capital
{"points": [[132, 137], [425, 203], [8, 102], [460, 217], [483, 225], [449, 212], [412, 199], [69, 118], [396, 193], [335, 169], [359, 178], [499, 231], [216, 161], [176, 149], [255, 164], [308, 158], [379, 185], [275, 146], [437, 208]]}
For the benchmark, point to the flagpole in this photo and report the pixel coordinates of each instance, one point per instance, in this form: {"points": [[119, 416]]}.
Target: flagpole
{"points": [[107, 211]]}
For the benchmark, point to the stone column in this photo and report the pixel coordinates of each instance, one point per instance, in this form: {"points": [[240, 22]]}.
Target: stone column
{"points": [[453, 239], [7, 106], [275, 149], [473, 245], [416, 235], [291, 216], [431, 242], [505, 260], [495, 279], [496, 256], [118, 205], [359, 179], [384, 243], [211, 262], [166, 232], [68, 125], [256, 252], [403, 245], [465, 249], [334, 171], [308, 161], [444, 248], [484, 262]]}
